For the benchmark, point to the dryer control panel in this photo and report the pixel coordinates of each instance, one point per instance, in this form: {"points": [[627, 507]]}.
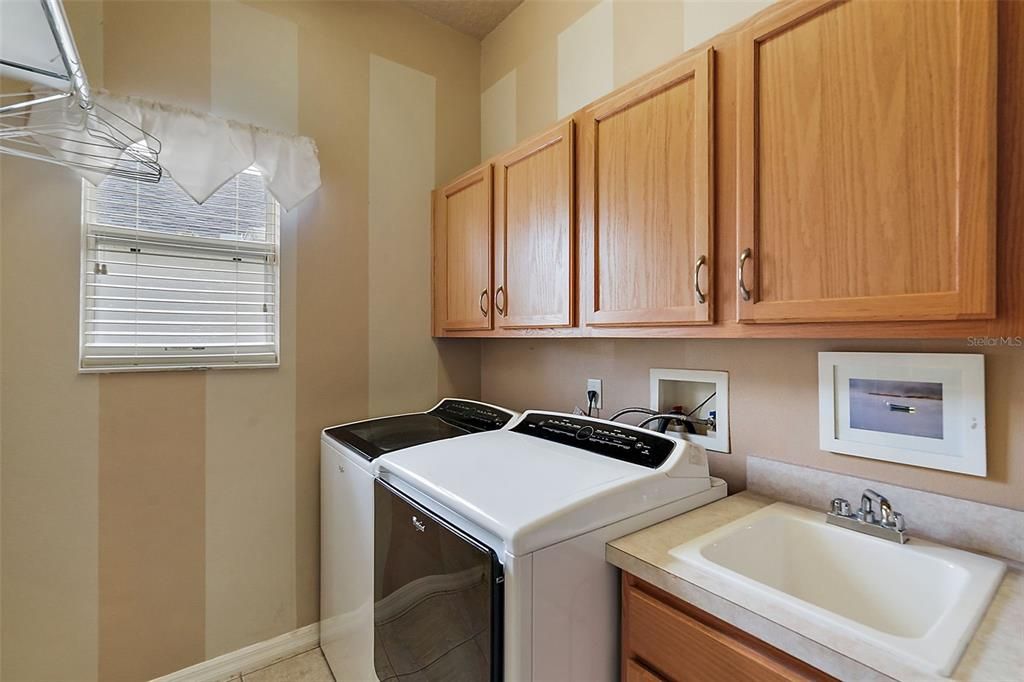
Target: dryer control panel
{"points": [[623, 443]]}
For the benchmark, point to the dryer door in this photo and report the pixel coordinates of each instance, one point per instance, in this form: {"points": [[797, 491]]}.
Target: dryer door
{"points": [[438, 596]]}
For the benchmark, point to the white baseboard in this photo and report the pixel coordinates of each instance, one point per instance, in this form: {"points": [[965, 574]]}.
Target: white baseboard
{"points": [[250, 658]]}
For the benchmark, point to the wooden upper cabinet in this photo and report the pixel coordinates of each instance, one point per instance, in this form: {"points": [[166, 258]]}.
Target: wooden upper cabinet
{"points": [[645, 193], [867, 161], [534, 233], [462, 253]]}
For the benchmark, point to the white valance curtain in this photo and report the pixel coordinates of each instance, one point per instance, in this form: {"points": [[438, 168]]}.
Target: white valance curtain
{"points": [[201, 152]]}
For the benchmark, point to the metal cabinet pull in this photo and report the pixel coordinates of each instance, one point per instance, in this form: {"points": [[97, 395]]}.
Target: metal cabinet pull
{"points": [[744, 291], [500, 308], [483, 298], [701, 298]]}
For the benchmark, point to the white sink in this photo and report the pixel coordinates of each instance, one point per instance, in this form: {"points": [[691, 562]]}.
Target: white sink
{"points": [[920, 601]]}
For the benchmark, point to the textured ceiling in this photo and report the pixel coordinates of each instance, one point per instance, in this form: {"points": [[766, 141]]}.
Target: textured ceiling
{"points": [[472, 17]]}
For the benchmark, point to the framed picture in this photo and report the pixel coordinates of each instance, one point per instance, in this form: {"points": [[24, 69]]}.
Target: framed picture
{"points": [[923, 409]]}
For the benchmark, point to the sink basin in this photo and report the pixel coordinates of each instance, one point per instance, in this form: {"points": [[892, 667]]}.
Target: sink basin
{"points": [[921, 602]]}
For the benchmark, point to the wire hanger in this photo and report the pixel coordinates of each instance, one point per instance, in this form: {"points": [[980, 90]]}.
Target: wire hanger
{"points": [[59, 120]]}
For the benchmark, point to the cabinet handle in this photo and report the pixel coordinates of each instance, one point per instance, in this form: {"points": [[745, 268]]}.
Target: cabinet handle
{"points": [[500, 308], [744, 257], [483, 298], [701, 298]]}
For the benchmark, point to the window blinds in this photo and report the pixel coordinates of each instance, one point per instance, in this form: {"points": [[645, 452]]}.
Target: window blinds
{"points": [[168, 283]]}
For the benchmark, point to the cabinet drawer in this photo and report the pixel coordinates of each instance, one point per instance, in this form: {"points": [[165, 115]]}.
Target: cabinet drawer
{"points": [[679, 642], [635, 672]]}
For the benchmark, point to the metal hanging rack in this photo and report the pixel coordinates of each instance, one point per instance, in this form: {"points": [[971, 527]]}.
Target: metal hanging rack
{"points": [[67, 126]]}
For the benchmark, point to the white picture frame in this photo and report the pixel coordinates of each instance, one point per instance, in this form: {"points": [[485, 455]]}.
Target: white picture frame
{"points": [[921, 409]]}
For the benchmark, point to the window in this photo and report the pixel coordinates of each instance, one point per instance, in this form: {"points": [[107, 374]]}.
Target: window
{"points": [[167, 283]]}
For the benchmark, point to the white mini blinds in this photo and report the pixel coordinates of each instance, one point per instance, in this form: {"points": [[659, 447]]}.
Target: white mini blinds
{"points": [[168, 283]]}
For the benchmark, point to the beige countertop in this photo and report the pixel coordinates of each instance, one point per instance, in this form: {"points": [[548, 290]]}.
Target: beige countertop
{"points": [[995, 654]]}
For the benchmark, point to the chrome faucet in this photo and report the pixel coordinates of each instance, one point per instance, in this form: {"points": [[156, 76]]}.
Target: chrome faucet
{"points": [[886, 524]]}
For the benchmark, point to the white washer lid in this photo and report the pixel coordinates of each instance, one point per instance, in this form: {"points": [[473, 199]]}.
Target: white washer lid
{"points": [[530, 492]]}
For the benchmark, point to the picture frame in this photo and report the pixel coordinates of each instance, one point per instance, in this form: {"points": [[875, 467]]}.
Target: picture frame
{"points": [[921, 409]]}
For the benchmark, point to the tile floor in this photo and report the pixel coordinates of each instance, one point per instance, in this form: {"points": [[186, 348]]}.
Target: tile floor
{"points": [[306, 667], [441, 638]]}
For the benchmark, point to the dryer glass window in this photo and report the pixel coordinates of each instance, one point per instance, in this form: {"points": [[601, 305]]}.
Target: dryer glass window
{"points": [[438, 592]]}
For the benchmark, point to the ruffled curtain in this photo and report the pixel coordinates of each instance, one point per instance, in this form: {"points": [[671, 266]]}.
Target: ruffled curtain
{"points": [[201, 152]]}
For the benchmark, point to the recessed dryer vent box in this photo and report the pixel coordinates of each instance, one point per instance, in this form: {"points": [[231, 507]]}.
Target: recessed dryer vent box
{"points": [[705, 393]]}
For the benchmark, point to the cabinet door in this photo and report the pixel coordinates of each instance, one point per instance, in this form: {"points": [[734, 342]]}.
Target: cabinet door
{"points": [[680, 642], [645, 200], [866, 162], [534, 226], [462, 252]]}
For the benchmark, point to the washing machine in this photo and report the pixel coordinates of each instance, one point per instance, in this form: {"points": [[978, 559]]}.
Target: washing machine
{"points": [[490, 549], [347, 453]]}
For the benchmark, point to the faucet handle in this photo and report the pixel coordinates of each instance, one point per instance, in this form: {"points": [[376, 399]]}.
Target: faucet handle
{"points": [[893, 519], [841, 507]]}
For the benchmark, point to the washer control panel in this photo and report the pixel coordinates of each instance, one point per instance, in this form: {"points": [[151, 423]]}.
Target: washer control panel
{"points": [[472, 416], [626, 444]]}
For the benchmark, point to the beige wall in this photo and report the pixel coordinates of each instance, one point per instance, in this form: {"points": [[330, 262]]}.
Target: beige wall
{"points": [[150, 521], [773, 390], [773, 384], [403, 375]]}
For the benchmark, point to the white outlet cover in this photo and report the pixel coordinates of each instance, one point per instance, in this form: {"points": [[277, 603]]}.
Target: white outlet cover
{"points": [[595, 385]]}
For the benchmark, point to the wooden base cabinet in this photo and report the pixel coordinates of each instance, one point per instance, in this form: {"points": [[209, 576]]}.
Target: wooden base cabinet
{"points": [[867, 162], [664, 638]]}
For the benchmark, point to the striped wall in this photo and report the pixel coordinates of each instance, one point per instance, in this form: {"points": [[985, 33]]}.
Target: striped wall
{"points": [[551, 58], [402, 175], [153, 520]]}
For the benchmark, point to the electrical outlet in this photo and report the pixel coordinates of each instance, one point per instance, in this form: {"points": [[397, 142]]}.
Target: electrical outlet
{"points": [[595, 385]]}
